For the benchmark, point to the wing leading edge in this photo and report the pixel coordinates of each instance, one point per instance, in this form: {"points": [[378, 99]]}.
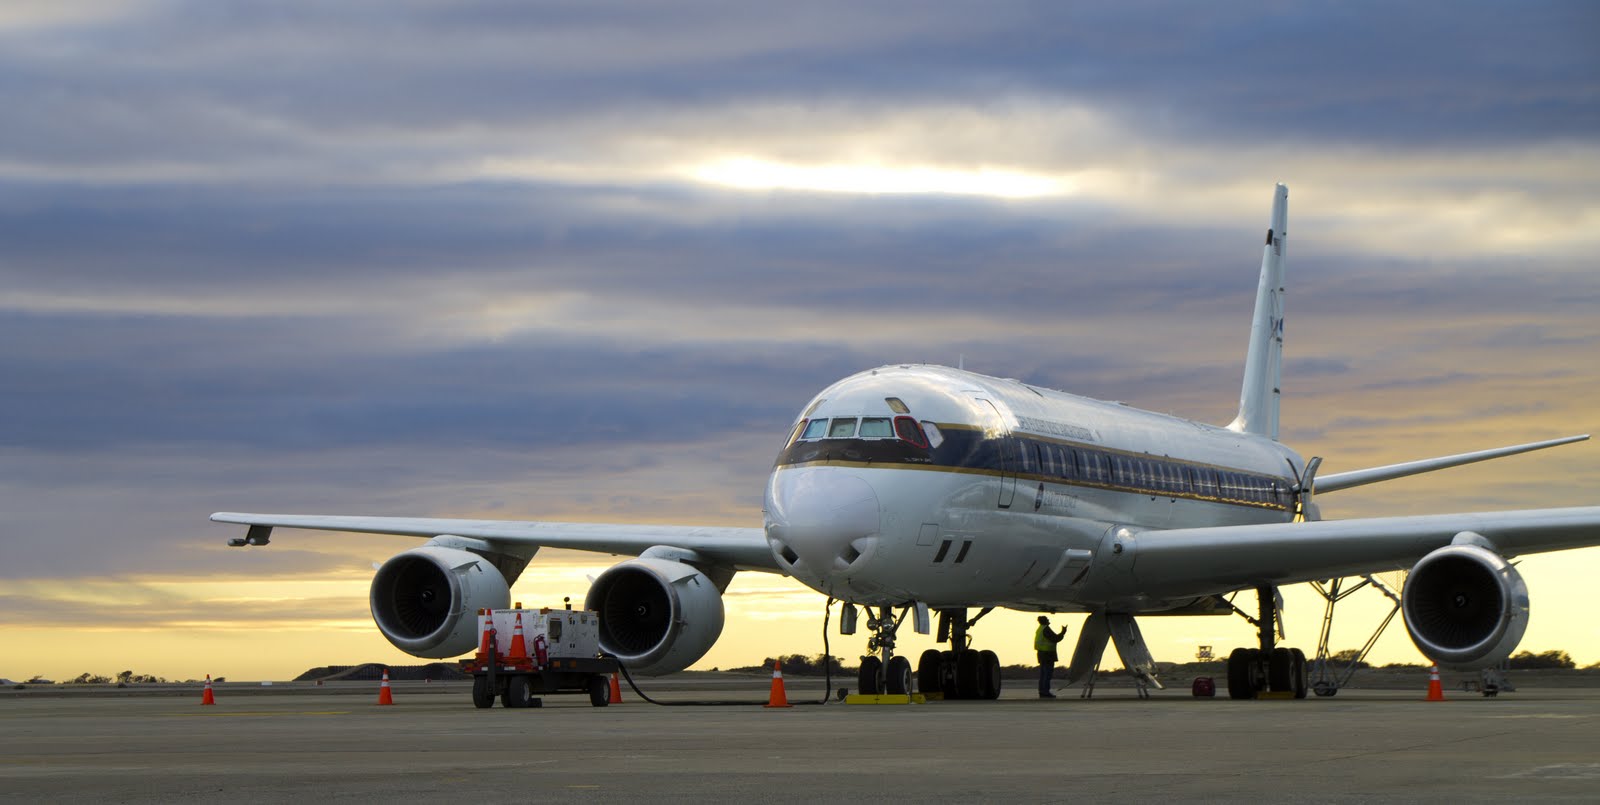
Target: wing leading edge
{"points": [[739, 548], [1204, 561]]}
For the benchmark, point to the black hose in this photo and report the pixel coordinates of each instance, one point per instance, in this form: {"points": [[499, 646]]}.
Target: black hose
{"points": [[827, 665]]}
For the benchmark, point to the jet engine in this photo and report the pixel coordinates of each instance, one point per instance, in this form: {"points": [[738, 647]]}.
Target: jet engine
{"points": [[1465, 606], [656, 615], [426, 600]]}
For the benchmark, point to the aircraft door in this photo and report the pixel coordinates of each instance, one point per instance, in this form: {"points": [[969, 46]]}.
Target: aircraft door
{"points": [[1005, 451]]}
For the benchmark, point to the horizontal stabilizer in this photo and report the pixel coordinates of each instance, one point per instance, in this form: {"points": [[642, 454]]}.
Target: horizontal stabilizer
{"points": [[1345, 480]]}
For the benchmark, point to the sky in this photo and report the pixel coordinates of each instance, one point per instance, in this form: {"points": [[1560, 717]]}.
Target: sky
{"points": [[588, 261]]}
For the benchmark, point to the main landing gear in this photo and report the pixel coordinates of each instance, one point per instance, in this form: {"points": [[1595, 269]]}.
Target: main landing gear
{"points": [[1268, 668], [961, 672]]}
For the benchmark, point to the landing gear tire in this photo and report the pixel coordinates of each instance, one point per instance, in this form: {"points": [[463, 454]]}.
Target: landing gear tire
{"points": [[928, 674], [517, 693], [947, 675], [599, 691], [1241, 673], [1280, 671], [1323, 687], [482, 694], [967, 663], [897, 676], [870, 680], [1299, 673], [988, 675]]}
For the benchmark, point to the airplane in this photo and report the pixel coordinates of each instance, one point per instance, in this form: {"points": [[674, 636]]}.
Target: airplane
{"points": [[920, 490]]}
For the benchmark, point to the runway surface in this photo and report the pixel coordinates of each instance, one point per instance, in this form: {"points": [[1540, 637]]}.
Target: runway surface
{"points": [[303, 743]]}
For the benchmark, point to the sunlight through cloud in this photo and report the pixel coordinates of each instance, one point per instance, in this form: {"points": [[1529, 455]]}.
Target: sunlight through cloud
{"points": [[760, 174]]}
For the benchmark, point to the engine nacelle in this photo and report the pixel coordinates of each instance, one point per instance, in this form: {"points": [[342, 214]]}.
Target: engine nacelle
{"points": [[656, 615], [426, 600], [1466, 607]]}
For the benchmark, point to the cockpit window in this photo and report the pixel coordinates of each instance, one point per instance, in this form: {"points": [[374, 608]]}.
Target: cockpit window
{"points": [[815, 429], [876, 428], [906, 428], [842, 428], [896, 405]]}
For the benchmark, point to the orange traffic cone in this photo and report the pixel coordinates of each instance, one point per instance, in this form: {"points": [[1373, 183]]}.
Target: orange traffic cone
{"points": [[488, 636], [777, 698], [519, 648], [616, 690], [208, 697], [384, 694], [1435, 688]]}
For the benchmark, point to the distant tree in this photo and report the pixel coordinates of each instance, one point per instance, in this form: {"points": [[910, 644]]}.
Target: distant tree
{"points": [[1347, 656], [801, 665], [87, 678], [125, 677], [1552, 659]]}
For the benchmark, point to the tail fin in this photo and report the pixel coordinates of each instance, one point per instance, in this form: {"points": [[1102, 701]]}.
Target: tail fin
{"points": [[1263, 366]]}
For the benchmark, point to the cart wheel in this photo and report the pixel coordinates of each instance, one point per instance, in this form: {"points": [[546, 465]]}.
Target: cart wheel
{"points": [[517, 692], [482, 696], [599, 691]]}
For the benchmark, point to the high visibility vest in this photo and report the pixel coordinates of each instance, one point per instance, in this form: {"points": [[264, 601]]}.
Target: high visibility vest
{"points": [[1042, 641]]}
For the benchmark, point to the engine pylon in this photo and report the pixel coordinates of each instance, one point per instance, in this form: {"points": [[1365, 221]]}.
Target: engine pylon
{"points": [[777, 698]]}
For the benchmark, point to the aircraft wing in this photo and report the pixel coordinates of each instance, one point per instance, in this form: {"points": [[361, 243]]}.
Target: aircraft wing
{"points": [[1205, 561], [740, 548]]}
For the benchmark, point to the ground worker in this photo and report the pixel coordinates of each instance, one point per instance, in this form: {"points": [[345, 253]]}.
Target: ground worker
{"points": [[1044, 642]]}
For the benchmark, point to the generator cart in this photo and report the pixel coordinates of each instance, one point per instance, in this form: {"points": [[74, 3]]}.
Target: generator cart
{"points": [[524, 653]]}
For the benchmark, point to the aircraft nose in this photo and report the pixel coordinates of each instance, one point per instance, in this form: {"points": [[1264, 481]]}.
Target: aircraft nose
{"points": [[821, 520]]}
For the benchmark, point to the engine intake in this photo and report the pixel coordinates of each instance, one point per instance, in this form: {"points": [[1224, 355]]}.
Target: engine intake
{"points": [[1465, 606], [425, 601], [656, 615]]}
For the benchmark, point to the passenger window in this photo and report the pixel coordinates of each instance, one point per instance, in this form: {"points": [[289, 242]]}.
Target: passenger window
{"points": [[842, 428], [815, 429], [876, 428]]}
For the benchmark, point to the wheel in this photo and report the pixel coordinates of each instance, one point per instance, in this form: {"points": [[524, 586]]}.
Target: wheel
{"points": [[482, 695], [1299, 673], [599, 690], [870, 680], [1323, 687], [988, 675], [947, 674], [928, 672], [897, 676], [967, 674], [1241, 673], [517, 693], [1280, 670]]}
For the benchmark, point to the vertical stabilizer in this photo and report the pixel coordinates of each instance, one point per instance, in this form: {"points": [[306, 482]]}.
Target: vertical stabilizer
{"points": [[1263, 365]]}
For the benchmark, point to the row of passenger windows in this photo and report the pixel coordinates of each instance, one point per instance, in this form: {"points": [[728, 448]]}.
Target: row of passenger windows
{"points": [[1150, 474]]}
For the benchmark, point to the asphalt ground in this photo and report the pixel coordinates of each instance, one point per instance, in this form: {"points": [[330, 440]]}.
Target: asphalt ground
{"points": [[298, 742]]}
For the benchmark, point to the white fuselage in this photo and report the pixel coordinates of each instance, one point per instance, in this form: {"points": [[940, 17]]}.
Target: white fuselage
{"points": [[1015, 496]]}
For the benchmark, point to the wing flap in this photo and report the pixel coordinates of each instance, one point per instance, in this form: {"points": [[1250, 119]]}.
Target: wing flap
{"points": [[740, 548], [1205, 561]]}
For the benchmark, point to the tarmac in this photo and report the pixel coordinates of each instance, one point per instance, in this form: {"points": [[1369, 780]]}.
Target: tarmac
{"points": [[299, 742]]}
